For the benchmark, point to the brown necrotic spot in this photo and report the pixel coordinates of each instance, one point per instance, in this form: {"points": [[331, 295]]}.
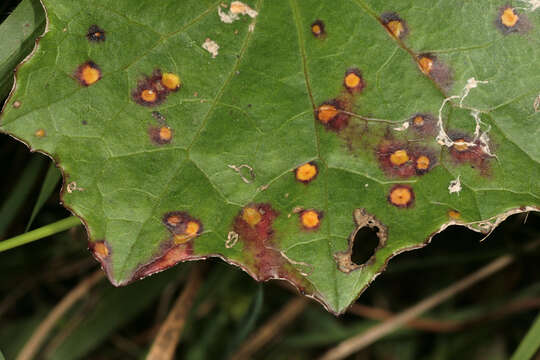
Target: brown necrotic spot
{"points": [[423, 124], [253, 224], [317, 28], [333, 115], [394, 25], [310, 219], [465, 150], [153, 90], [401, 196], [95, 34], [307, 172], [433, 67], [88, 73], [353, 81], [161, 135], [182, 226]]}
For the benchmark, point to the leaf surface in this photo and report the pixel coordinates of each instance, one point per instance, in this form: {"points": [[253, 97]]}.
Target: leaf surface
{"points": [[296, 124]]}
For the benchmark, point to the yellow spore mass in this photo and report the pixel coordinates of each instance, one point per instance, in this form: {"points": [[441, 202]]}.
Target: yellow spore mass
{"points": [[251, 215], [306, 172], [422, 162], [399, 157], [326, 113], [425, 64], [396, 27], [509, 18], [170, 81], [460, 145], [310, 219], [148, 95], [400, 196], [90, 75], [352, 80], [165, 133]]}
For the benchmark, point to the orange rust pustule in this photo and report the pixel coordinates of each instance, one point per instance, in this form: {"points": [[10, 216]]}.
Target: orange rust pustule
{"points": [[95, 34], [424, 160], [160, 135], [88, 73], [395, 25], [434, 68], [258, 239], [388, 152], [310, 219], [333, 114], [307, 172], [150, 90], [509, 21], [463, 153], [423, 124], [353, 81], [317, 29], [100, 249], [401, 196], [39, 133], [182, 226], [454, 214]]}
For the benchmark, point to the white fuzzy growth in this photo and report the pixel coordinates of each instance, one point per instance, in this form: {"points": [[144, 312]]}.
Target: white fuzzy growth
{"points": [[227, 17], [211, 46], [455, 186]]}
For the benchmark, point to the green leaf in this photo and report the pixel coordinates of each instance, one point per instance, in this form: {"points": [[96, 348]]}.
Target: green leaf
{"points": [[530, 344], [216, 168], [17, 38]]}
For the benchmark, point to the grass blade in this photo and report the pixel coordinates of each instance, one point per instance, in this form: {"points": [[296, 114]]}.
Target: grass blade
{"points": [[11, 206], [49, 184], [17, 37], [40, 233], [530, 344]]}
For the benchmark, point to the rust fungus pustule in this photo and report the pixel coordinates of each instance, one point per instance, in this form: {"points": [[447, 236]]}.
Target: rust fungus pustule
{"points": [[307, 172], [153, 90], [454, 214], [171, 81], [95, 34], [317, 29], [182, 226], [88, 73], [424, 160], [160, 135], [425, 63], [310, 219], [39, 133], [436, 69], [353, 81], [401, 196], [395, 159], [423, 124], [465, 150], [253, 224], [333, 115], [395, 25]]}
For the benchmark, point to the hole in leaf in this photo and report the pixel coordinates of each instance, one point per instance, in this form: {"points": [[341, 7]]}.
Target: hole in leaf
{"points": [[364, 245]]}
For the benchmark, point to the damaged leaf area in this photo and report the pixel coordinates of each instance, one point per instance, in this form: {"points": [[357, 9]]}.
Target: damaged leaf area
{"points": [[270, 133]]}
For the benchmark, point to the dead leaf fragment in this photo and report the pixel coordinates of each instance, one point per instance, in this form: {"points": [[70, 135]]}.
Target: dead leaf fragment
{"points": [[211, 46]]}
